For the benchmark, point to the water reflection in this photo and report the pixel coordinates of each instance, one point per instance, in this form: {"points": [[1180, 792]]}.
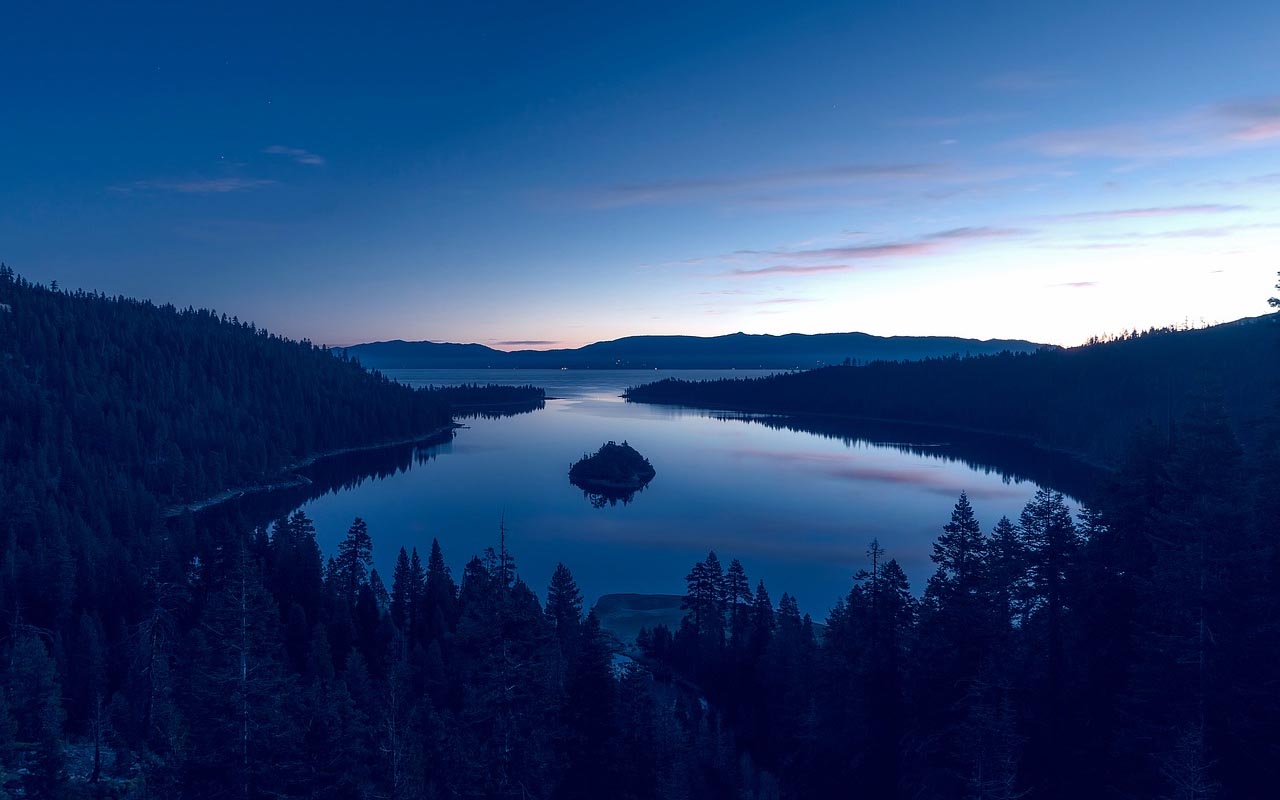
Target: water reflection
{"points": [[1013, 460], [795, 499]]}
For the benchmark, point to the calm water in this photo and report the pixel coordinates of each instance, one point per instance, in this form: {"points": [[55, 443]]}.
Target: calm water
{"points": [[796, 501]]}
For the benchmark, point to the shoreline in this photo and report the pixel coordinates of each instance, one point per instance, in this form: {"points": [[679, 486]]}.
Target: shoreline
{"points": [[294, 481], [1082, 458]]}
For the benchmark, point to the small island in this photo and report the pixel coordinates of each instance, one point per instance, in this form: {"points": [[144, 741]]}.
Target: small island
{"points": [[615, 472]]}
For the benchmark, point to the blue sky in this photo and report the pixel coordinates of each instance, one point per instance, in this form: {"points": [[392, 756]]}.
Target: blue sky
{"points": [[561, 173]]}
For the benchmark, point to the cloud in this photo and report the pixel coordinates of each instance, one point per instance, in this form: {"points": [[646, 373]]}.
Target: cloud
{"points": [[979, 232], [195, 186], [1266, 179], [860, 252], [1199, 132], [1154, 211], [1256, 120], [1090, 246], [685, 190], [785, 301], [924, 245], [1116, 241], [526, 342], [1075, 285], [297, 154], [1206, 232], [788, 269]]}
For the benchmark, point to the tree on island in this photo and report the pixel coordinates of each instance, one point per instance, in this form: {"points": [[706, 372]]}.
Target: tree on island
{"points": [[614, 472]]}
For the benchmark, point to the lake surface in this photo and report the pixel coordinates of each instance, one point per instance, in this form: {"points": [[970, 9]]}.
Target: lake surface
{"points": [[796, 500]]}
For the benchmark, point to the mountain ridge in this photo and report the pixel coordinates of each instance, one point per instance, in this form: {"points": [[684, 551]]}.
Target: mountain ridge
{"points": [[733, 350]]}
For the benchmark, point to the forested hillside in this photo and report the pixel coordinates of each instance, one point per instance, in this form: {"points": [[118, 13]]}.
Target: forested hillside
{"points": [[1127, 652], [113, 409], [161, 403], [1085, 400]]}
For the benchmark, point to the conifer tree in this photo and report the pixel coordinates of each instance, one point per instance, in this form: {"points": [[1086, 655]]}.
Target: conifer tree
{"points": [[246, 740], [564, 609], [355, 557], [402, 593], [737, 594], [590, 714]]}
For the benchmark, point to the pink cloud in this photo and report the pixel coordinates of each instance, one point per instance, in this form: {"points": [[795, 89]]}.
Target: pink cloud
{"points": [[927, 244], [1199, 132], [1154, 211]]}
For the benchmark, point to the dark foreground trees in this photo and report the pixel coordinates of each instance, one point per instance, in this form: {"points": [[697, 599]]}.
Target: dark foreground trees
{"points": [[1126, 651], [1129, 652], [1123, 652]]}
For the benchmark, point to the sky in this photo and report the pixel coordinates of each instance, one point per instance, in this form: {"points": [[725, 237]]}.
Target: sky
{"points": [[551, 174]]}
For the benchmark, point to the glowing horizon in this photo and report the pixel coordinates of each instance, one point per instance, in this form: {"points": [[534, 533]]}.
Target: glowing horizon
{"points": [[589, 174]]}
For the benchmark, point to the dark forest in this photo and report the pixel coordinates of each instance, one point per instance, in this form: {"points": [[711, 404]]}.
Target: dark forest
{"points": [[1125, 651]]}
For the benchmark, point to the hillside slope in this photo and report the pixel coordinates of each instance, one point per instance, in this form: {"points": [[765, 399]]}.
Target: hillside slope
{"points": [[1087, 400], [173, 404]]}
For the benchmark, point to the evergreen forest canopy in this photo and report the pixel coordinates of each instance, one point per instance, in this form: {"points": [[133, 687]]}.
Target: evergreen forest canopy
{"points": [[1128, 652], [614, 465], [1085, 400]]}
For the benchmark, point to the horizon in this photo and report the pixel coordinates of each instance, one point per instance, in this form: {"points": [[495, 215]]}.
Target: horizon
{"points": [[586, 174]]}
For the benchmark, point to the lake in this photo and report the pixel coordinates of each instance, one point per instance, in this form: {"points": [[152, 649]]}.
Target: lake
{"points": [[797, 501]]}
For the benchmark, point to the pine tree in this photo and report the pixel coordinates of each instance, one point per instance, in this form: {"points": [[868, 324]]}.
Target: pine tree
{"points": [[37, 705], [355, 557], [240, 693], [705, 599], [441, 594], [564, 609], [590, 719], [737, 592], [960, 554], [1006, 571], [1051, 542], [958, 630], [402, 593]]}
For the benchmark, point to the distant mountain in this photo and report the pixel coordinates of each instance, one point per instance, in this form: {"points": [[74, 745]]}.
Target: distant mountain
{"points": [[733, 351]]}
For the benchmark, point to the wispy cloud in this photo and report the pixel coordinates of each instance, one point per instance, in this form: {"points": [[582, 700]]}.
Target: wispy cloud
{"points": [[1266, 179], [297, 154], [1152, 211], [526, 342], [1204, 232], [788, 269], [1076, 285], [1204, 131], [785, 301], [838, 258], [1256, 120], [194, 185], [692, 189]]}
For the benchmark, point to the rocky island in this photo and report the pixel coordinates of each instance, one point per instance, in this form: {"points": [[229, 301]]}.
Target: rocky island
{"points": [[614, 472]]}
